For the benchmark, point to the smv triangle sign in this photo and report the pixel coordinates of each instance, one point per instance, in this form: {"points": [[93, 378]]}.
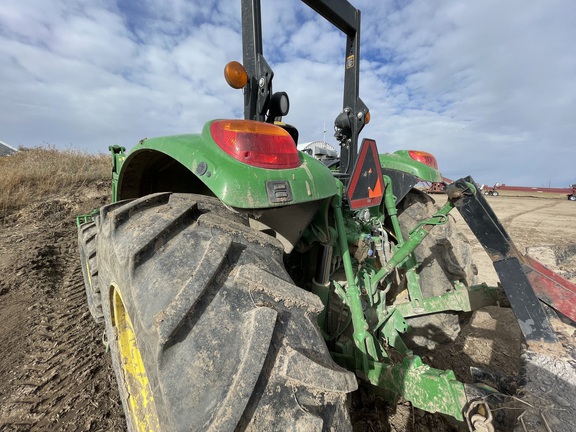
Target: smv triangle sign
{"points": [[366, 186]]}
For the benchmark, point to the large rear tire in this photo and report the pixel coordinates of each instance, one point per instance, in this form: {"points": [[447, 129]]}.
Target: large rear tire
{"points": [[206, 329], [445, 256]]}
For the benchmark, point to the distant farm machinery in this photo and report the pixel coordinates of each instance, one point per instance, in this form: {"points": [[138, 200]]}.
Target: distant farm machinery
{"points": [[570, 191], [440, 187]]}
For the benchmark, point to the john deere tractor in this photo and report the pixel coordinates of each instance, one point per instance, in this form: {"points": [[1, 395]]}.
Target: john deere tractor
{"points": [[245, 285]]}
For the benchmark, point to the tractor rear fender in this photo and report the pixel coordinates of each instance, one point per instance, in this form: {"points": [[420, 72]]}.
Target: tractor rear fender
{"points": [[405, 173], [194, 163], [401, 161]]}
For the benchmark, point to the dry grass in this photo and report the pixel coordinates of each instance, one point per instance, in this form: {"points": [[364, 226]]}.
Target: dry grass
{"points": [[30, 175]]}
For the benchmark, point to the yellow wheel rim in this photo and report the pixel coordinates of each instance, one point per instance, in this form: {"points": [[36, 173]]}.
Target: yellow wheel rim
{"points": [[88, 273], [140, 400]]}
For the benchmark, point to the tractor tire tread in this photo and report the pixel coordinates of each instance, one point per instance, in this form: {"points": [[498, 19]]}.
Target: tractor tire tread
{"points": [[445, 256], [87, 238], [219, 323]]}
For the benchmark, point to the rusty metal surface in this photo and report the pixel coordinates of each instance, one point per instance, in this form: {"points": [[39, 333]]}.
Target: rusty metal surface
{"points": [[554, 290]]}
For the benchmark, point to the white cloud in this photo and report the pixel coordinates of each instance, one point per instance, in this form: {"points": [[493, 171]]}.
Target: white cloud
{"points": [[486, 86]]}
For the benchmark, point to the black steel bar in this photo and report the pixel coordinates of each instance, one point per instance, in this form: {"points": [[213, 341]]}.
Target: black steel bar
{"points": [[531, 318], [506, 259], [340, 13], [252, 49], [347, 18], [348, 153], [483, 221]]}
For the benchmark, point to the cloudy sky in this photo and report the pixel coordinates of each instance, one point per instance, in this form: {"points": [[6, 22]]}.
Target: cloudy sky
{"points": [[488, 86]]}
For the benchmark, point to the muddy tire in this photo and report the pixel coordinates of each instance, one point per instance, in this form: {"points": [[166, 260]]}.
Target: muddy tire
{"points": [[88, 261], [444, 256], [206, 329]]}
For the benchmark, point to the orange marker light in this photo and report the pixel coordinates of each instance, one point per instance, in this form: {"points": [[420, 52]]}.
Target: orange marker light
{"points": [[235, 75]]}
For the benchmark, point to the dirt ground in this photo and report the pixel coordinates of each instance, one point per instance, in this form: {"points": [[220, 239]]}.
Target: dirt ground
{"points": [[56, 375]]}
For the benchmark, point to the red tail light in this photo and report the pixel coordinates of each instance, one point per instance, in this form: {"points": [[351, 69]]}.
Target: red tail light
{"points": [[424, 157], [256, 143]]}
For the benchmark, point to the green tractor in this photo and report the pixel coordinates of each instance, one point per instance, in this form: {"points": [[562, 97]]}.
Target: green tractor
{"points": [[245, 285]]}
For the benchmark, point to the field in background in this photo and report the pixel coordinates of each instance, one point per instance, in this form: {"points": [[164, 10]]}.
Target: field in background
{"points": [[30, 175]]}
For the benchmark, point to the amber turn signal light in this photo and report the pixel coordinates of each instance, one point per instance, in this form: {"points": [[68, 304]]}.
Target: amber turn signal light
{"points": [[235, 75]]}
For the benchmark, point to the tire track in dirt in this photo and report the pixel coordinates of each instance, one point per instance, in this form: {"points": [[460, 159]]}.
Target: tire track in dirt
{"points": [[510, 218], [54, 389], [64, 379]]}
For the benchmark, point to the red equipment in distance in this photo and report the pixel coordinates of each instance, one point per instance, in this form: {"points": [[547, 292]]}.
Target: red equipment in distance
{"points": [[570, 192]]}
